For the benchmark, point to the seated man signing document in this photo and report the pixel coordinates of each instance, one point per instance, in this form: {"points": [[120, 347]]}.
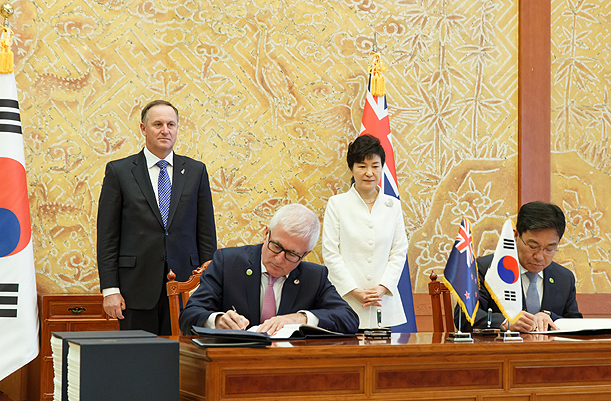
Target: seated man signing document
{"points": [[269, 284], [548, 289]]}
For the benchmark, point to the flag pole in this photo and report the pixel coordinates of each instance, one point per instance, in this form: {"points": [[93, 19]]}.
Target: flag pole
{"points": [[375, 42]]}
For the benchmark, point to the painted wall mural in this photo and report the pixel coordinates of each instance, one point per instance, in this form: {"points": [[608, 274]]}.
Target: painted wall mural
{"points": [[581, 124], [270, 94]]}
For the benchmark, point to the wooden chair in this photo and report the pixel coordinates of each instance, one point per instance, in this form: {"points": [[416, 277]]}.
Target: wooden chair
{"points": [[174, 288], [437, 290]]}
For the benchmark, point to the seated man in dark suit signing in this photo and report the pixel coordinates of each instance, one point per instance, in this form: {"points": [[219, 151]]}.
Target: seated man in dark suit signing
{"points": [[548, 289], [269, 284]]}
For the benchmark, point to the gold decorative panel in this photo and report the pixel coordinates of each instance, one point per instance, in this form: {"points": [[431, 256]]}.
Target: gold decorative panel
{"points": [[581, 124], [270, 94]]}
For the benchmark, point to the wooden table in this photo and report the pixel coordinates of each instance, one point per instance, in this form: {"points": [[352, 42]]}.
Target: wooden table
{"points": [[422, 366]]}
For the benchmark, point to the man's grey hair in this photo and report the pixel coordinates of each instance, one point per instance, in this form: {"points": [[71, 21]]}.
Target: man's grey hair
{"points": [[159, 102], [297, 220]]}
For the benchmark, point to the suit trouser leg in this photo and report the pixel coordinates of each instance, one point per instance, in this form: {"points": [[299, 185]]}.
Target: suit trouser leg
{"points": [[156, 320]]}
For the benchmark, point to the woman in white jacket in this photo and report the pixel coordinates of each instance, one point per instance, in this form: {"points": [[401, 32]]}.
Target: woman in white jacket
{"points": [[364, 245]]}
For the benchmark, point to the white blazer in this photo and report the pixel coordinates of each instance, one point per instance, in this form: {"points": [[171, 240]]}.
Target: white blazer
{"points": [[363, 249]]}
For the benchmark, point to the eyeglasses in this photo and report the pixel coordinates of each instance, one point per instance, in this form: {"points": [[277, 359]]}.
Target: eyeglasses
{"points": [[536, 249], [276, 248]]}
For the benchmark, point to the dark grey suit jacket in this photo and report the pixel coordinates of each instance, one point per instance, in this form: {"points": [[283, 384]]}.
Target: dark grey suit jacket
{"points": [[132, 242], [233, 279], [558, 296]]}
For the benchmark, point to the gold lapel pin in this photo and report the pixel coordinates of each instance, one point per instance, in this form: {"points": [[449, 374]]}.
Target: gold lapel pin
{"points": [[296, 281], [249, 272], [551, 280], [183, 171]]}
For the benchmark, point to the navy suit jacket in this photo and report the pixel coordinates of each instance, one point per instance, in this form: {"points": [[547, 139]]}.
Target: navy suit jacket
{"points": [[233, 279], [558, 296], [133, 244]]}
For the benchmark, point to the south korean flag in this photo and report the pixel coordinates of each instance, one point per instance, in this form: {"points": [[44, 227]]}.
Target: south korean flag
{"points": [[503, 277]]}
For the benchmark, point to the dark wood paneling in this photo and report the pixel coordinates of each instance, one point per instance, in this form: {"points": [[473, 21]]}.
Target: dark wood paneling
{"points": [[452, 377], [279, 382], [559, 374]]}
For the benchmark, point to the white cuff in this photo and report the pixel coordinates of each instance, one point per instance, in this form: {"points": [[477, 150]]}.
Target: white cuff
{"points": [[110, 291], [210, 322], [311, 319]]}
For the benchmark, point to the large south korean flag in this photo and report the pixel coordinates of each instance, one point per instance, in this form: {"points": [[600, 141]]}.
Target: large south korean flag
{"points": [[18, 310]]}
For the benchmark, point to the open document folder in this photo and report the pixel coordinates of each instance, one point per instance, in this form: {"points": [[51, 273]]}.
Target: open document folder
{"points": [[580, 326], [303, 331], [250, 338]]}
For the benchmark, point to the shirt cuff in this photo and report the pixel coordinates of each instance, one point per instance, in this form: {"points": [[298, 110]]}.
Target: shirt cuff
{"points": [[311, 318], [210, 322], [110, 291]]}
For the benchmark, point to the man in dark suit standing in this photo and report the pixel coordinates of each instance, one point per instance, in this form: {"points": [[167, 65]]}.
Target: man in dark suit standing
{"points": [[270, 284], [155, 213], [548, 288]]}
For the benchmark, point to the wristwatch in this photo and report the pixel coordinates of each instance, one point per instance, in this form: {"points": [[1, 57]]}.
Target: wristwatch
{"points": [[547, 312]]}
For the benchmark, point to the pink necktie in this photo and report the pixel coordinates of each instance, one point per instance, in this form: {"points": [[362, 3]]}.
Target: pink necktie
{"points": [[269, 300]]}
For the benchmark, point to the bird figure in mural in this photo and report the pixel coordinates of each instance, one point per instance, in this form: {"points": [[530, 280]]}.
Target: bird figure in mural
{"points": [[402, 117], [344, 118], [271, 77]]}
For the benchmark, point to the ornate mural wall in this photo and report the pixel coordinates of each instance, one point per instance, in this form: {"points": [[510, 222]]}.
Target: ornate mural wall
{"points": [[270, 94], [581, 124]]}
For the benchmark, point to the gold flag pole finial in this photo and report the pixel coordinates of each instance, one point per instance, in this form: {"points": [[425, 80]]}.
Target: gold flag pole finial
{"points": [[6, 35], [375, 70], [6, 10]]}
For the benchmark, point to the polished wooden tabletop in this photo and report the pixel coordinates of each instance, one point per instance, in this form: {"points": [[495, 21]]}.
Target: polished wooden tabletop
{"points": [[414, 366]]}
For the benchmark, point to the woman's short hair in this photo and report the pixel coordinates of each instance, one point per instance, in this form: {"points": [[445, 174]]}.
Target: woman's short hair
{"points": [[299, 221], [364, 147], [535, 216]]}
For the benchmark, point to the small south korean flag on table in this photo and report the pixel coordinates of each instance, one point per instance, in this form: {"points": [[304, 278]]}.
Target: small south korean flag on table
{"points": [[503, 277]]}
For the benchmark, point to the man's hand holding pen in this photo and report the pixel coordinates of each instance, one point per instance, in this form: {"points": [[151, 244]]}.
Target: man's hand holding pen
{"points": [[231, 320]]}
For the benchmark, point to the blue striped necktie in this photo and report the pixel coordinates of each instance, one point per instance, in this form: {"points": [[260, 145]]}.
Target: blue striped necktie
{"points": [[164, 189]]}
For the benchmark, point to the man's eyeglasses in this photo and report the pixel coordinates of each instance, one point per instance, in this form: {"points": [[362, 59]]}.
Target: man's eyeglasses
{"points": [[535, 249], [276, 248]]}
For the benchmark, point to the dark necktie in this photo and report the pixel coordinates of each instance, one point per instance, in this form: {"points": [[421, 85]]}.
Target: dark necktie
{"points": [[164, 190]]}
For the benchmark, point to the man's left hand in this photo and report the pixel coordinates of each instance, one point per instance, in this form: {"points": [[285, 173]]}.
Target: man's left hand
{"points": [[273, 324], [543, 320]]}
